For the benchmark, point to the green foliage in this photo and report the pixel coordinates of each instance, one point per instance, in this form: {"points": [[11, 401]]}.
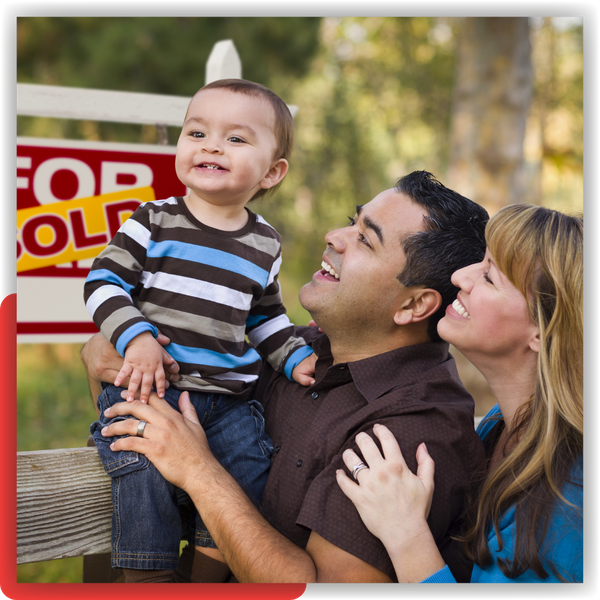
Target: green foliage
{"points": [[54, 408], [160, 55]]}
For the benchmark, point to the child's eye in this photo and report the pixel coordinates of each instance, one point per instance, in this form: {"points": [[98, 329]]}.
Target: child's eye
{"points": [[197, 134], [236, 139]]}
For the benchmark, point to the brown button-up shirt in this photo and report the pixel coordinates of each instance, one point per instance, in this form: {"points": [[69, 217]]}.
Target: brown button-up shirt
{"points": [[416, 393]]}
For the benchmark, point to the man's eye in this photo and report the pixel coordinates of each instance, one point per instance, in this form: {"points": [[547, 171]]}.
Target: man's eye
{"points": [[363, 240]]}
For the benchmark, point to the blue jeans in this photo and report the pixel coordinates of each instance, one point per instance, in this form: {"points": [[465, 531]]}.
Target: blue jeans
{"points": [[146, 524]]}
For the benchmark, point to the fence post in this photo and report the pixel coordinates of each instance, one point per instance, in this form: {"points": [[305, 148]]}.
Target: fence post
{"points": [[223, 63]]}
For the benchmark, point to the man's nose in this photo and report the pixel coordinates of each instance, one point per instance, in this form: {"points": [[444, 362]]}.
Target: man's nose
{"points": [[337, 239]]}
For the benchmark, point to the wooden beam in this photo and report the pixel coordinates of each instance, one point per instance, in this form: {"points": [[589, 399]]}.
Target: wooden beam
{"points": [[63, 504], [100, 105]]}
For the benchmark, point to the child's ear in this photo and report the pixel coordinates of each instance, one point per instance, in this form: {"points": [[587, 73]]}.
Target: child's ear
{"points": [[275, 174]]}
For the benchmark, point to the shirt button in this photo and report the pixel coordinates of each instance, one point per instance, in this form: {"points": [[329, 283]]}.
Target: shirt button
{"points": [[315, 395], [277, 449], [299, 463]]}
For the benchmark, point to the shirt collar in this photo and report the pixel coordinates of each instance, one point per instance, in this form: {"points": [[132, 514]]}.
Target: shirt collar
{"points": [[378, 374]]}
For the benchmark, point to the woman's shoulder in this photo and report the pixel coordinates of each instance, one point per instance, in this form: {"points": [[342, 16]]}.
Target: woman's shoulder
{"points": [[487, 423]]}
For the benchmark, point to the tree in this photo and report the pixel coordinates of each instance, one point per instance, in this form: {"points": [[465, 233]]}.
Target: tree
{"points": [[494, 86]]}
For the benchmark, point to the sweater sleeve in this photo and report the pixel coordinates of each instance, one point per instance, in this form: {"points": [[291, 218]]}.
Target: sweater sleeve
{"points": [[442, 576], [113, 279], [270, 330]]}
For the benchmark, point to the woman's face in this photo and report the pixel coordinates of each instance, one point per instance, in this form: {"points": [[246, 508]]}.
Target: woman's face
{"points": [[489, 318]]}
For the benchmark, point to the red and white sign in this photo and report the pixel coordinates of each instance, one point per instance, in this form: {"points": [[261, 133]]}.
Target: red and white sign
{"points": [[94, 178]]}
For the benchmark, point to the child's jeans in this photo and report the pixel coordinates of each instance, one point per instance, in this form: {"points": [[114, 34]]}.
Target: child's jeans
{"points": [[146, 522]]}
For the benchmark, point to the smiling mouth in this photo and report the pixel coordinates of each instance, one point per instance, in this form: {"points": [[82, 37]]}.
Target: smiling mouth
{"points": [[210, 166], [460, 309], [328, 270]]}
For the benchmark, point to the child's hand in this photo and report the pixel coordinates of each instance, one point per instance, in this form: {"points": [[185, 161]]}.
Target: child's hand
{"points": [[314, 324], [304, 372], [143, 365]]}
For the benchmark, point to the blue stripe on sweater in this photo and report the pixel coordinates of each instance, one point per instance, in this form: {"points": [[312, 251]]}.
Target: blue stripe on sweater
{"points": [[208, 256], [201, 356]]}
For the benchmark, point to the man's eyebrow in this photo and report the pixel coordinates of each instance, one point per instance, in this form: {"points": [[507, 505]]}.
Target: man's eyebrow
{"points": [[370, 224]]}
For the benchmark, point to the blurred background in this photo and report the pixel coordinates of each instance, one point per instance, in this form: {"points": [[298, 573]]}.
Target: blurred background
{"points": [[493, 107]]}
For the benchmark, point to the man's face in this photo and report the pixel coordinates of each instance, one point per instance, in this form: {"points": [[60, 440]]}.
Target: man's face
{"points": [[358, 286]]}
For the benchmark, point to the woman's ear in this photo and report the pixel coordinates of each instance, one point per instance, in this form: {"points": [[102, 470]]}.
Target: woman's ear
{"points": [[534, 342], [275, 174], [423, 303]]}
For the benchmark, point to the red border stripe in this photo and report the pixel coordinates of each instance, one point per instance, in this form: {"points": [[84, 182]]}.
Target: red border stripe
{"points": [[58, 327]]}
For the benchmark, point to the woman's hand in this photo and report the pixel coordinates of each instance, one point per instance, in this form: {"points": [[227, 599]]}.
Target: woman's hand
{"points": [[393, 502], [174, 442]]}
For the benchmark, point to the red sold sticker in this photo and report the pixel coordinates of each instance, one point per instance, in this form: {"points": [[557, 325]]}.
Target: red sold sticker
{"points": [[72, 196]]}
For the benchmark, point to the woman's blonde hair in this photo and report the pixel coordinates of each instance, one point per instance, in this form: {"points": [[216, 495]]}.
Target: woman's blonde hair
{"points": [[541, 252]]}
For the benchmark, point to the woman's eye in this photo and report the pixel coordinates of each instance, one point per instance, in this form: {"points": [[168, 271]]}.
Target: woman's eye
{"points": [[487, 277], [351, 221]]}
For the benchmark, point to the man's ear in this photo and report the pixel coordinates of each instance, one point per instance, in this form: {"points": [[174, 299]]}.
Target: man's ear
{"points": [[420, 306], [275, 174]]}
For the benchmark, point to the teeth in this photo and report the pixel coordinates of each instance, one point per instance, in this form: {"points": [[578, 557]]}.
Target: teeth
{"points": [[330, 269], [460, 309], [209, 166]]}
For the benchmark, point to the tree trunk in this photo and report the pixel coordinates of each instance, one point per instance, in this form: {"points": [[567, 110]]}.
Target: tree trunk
{"points": [[492, 97]]}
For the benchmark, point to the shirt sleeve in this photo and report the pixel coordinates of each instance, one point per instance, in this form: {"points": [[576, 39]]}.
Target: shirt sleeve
{"points": [[270, 330], [113, 279], [328, 512]]}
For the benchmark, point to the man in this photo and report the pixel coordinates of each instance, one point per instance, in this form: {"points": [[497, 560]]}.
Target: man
{"points": [[384, 285]]}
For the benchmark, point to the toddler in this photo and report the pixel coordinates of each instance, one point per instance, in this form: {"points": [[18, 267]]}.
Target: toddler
{"points": [[203, 270]]}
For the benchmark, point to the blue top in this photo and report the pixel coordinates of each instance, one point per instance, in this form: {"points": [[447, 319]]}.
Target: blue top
{"points": [[563, 544]]}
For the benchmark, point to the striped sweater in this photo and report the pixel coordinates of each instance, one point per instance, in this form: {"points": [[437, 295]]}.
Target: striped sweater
{"points": [[204, 288]]}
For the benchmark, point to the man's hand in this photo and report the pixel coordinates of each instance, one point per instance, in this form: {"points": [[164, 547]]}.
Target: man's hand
{"points": [[304, 372], [143, 366], [174, 442]]}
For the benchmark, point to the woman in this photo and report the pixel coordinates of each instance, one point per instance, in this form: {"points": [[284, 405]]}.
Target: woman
{"points": [[518, 318]]}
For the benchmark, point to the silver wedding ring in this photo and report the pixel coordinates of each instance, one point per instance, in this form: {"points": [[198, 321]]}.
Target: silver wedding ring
{"points": [[140, 429], [357, 468]]}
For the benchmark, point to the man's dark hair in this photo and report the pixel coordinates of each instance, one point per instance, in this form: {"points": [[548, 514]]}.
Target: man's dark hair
{"points": [[453, 237]]}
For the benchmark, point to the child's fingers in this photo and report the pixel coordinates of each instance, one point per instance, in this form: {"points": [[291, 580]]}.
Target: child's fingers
{"points": [[134, 384], [159, 379], [305, 380], [147, 381], [123, 374]]}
